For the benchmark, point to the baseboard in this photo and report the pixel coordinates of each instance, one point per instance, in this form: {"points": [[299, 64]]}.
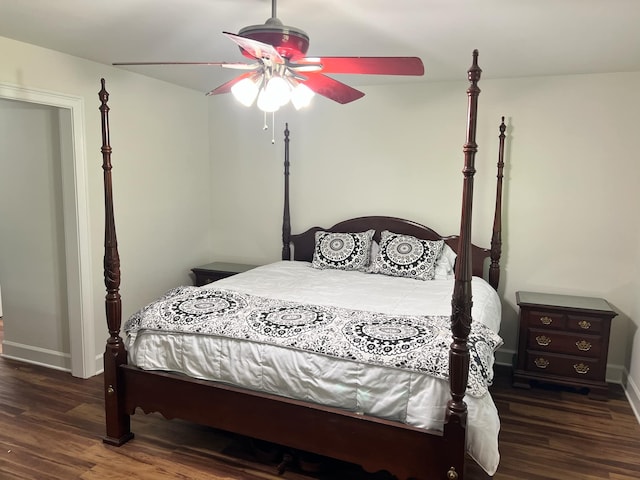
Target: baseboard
{"points": [[37, 356], [99, 368], [505, 357], [633, 394], [615, 374]]}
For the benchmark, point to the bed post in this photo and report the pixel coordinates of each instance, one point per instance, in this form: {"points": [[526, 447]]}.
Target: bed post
{"points": [[286, 217], [117, 422], [496, 237], [456, 416]]}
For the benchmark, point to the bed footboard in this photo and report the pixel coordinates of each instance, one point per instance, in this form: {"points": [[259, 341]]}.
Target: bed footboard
{"points": [[373, 443]]}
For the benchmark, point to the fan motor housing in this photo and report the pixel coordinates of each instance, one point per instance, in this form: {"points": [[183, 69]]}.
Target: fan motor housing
{"points": [[290, 42]]}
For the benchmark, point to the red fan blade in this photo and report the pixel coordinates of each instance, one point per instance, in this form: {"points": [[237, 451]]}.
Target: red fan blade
{"points": [[332, 89], [226, 87], [366, 65], [239, 66], [256, 49]]}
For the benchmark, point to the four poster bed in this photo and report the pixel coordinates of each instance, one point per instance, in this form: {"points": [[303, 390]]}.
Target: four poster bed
{"points": [[365, 356]]}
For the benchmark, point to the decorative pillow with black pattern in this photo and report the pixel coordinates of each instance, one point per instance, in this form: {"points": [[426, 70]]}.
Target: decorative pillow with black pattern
{"points": [[406, 256], [343, 251]]}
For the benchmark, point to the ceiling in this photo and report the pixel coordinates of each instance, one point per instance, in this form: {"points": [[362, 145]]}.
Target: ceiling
{"points": [[515, 38]]}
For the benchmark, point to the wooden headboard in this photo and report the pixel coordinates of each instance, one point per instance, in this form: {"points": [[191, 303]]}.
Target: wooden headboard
{"points": [[304, 243]]}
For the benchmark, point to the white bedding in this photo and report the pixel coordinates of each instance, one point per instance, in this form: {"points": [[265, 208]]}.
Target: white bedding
{"points": [[402, 395]]}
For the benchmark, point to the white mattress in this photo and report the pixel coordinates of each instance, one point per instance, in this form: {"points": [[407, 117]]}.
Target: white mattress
{"points": [[407, 396]]}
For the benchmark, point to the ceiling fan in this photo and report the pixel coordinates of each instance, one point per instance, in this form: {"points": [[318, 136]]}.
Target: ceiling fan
{"points": [[281, 71]]}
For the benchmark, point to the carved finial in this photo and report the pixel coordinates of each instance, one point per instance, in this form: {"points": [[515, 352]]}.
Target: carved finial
{"points": [[103, 94], [475, 70]]}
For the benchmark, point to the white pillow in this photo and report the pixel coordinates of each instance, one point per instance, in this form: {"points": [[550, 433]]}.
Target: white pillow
{"points": [[445, 264]]}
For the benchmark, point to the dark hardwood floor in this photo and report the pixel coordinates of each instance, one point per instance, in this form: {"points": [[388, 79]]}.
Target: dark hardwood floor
{"points": [[51, 426]]}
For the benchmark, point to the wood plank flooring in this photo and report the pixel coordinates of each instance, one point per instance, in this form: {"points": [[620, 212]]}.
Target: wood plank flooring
{"points": [[51, 426]]}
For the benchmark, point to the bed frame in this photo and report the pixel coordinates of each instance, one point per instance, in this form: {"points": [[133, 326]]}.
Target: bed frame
{"points": [[375, 444]]}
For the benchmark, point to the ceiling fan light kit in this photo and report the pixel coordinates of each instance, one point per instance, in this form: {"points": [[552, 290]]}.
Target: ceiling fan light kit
{"points": [[281, 72], [272, 92]]}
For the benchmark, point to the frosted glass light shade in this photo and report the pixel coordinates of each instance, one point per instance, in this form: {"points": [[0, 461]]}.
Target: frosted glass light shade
{"points": [[245, 91], [279, 90], [301, 96], [267, 103]]}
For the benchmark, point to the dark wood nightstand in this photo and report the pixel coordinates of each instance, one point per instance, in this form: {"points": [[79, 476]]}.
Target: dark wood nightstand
{"points": [[217, 271], [563, 339]]}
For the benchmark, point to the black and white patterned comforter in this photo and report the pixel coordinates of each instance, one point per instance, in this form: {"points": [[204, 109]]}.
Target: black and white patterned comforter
{"points": [[418, 343]]}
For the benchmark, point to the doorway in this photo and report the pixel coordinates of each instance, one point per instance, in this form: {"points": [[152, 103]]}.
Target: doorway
{"points": [[1, 323], [78, 278]]}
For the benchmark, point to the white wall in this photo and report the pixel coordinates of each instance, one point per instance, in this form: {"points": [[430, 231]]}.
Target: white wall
{"points": [[570, 182], [161, 171], [570, 225]]}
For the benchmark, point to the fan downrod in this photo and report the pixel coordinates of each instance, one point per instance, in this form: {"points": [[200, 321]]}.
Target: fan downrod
{"points": [[290, 42]]}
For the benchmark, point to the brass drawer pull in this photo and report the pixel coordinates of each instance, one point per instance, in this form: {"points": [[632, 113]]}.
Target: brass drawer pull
{"points": [[584, 324], [543, 340], [541, 362], [581, 368], [583, 345], [546, 320]]}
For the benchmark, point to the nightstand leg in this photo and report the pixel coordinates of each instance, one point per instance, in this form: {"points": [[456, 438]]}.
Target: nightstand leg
{"points": [[599, 393], [521, 383]]}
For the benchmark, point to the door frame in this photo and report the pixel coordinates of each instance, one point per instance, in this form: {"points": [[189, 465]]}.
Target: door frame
{"points": [[76, 221]]}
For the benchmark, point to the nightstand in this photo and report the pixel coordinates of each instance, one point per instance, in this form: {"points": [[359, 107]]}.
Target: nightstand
{"points": [[217, 271], [564, 340]]}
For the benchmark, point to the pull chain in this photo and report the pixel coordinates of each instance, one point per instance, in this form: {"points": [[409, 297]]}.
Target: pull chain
{"points": [[273, 126]]}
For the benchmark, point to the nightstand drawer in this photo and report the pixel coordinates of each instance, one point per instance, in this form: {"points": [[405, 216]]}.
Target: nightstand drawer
{"points": [[568, 343], [546, 319], [564, 366], [210, 277], [586, 324]]}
